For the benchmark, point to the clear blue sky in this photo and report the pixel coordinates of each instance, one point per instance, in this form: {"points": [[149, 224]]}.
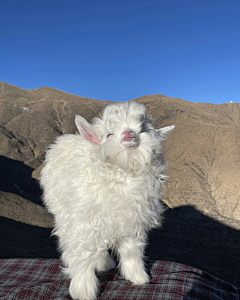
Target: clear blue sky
{"points": [[123, 49]]}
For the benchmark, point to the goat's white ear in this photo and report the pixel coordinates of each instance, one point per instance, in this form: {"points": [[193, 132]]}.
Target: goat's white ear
{"points": [[165, 130], [86, 130]]}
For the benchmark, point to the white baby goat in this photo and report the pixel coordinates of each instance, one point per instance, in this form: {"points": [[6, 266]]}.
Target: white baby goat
{"points": [[103, 187]]}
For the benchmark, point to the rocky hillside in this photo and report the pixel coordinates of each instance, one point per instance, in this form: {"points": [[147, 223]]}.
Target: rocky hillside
{"points": [[203, 151], [203, 154]]}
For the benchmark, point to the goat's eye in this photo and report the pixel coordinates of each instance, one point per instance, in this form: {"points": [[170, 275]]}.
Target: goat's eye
{"points": [[143, 128], [109, 134]]}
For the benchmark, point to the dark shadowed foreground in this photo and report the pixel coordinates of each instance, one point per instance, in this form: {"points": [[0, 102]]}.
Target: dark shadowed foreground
{"points": [[187, 237]]}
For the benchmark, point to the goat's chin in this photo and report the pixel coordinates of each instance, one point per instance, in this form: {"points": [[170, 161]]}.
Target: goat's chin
{"points": [[128, 158]]}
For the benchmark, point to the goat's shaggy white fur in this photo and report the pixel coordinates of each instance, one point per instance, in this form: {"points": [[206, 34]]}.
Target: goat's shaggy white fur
{"points": [[103, 187]]}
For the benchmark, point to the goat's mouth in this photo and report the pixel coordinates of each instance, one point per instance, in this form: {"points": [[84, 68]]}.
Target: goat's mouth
{"points": [[130, 138]]}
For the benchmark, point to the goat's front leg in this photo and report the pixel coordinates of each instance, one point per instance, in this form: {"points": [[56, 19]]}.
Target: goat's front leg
{"points": [[81, 267], [132, 267]]}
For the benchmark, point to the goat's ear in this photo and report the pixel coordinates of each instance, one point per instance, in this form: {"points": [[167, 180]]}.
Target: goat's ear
{"points": [[165, 130], [86, 130]]}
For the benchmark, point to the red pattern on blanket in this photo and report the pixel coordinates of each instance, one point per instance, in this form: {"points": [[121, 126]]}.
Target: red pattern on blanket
{"points": [[42, 279]]}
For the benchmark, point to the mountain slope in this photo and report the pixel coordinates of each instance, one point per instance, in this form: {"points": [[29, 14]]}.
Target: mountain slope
{"points": [[202, 152]]}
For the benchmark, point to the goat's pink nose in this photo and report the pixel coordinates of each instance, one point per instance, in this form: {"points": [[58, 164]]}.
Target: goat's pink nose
{"points": [[128, 134]]}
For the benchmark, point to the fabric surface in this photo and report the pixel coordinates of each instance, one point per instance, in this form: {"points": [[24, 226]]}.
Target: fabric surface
{"points": [[42, 279]]}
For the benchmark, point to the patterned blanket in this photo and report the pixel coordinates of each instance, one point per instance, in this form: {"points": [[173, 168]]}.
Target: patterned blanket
{"points": [[42, 279]]}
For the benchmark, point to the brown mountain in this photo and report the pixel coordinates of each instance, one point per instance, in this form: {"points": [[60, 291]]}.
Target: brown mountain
{"points": [[202, 154]]}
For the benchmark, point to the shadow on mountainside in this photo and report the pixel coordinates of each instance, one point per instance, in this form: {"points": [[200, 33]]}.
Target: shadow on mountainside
{"points": [[189, 237], [19, 240], [15, 177]]}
